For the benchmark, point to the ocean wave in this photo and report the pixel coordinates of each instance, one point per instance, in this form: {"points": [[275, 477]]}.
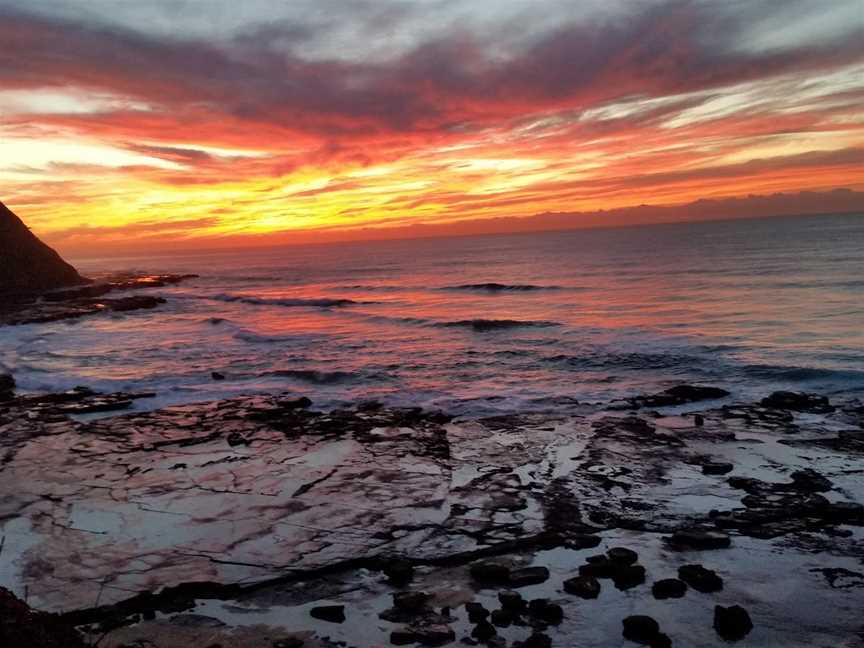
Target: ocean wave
{"points": [[253, 337], [636, 360], [483, 325], [319, 377], [792, 373], [319, 302], [499, 287]]}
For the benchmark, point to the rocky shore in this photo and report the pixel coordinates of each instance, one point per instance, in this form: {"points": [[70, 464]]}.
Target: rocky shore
{"points": [[73, 303], [260, 521]]}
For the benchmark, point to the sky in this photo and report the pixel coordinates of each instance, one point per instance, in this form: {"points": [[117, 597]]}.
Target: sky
{"points": [[189, 123]]}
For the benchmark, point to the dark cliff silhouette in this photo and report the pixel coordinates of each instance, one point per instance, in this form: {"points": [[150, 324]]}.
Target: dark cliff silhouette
{"points": [[26, 263]]}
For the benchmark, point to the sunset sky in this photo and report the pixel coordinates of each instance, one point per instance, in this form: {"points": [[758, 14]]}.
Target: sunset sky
{"points": [[189, 122]]}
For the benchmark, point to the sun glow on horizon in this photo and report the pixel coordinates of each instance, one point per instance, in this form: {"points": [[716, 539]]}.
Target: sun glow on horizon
{"points": [[188, 139]]}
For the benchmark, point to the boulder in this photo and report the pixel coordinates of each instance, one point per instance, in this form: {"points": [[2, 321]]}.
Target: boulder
{"points": [[622, 556], [669, 588], [641, 629], [490, 572], [330, 613], [511, 601], [699, 539], [399, 572], [28, 264], [528, 576], [732, 623], [586, 587], [700, 578], [23, 627], [716, 467], [798, 402]]}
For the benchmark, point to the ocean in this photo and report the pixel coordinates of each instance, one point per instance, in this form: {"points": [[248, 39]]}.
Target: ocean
{"points": [[482, 325]]}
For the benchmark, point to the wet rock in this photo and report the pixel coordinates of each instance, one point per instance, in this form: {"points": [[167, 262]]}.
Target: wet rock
{"points": [[597, 567], [661, 641], [502, 618], [484, 631], [622, 556], [641, 629], [536, 640], [428, 635], [196, 621], [700, 578], [512, 601], [628, 576], [586, 587], [798, 402], [668, 588], [410, 601], [546, 611], [7, 387], [490, 572], [22, 627], [216, 375], [330, 613], [399, 572], [699, 539], [476, 612], [528, 576], [716, 467], [810, 481], [292, 642], [678, 395], [732, 623]]}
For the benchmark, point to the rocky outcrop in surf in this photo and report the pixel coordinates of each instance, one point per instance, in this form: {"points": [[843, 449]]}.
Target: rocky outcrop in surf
{"points": [[28, 265]]}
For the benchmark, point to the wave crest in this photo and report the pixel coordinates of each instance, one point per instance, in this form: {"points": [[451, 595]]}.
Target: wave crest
{"points": [[483, 325], [319, 302], [499, 287]]}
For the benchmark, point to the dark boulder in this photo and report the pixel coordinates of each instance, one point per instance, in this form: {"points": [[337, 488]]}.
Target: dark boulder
{"points": [[700, 578], [546, 611], [641, 629], [628, 576], [7, 387], [699, 539], [490, 572], [28, 265], [622, 556], [716, 467], [528, 576], [798, 402], [484, 631], [511, 601], [476, 611], [586, 587], [399, 572], [536, 640], [732, 623], [669, 588], [330, 613], [23, 627]]}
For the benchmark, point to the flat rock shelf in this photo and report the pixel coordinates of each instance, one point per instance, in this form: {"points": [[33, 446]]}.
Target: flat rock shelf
{"points": [[261, 521]]}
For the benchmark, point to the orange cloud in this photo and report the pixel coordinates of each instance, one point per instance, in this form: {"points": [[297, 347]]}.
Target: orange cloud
{"points": [[117, 136]]}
